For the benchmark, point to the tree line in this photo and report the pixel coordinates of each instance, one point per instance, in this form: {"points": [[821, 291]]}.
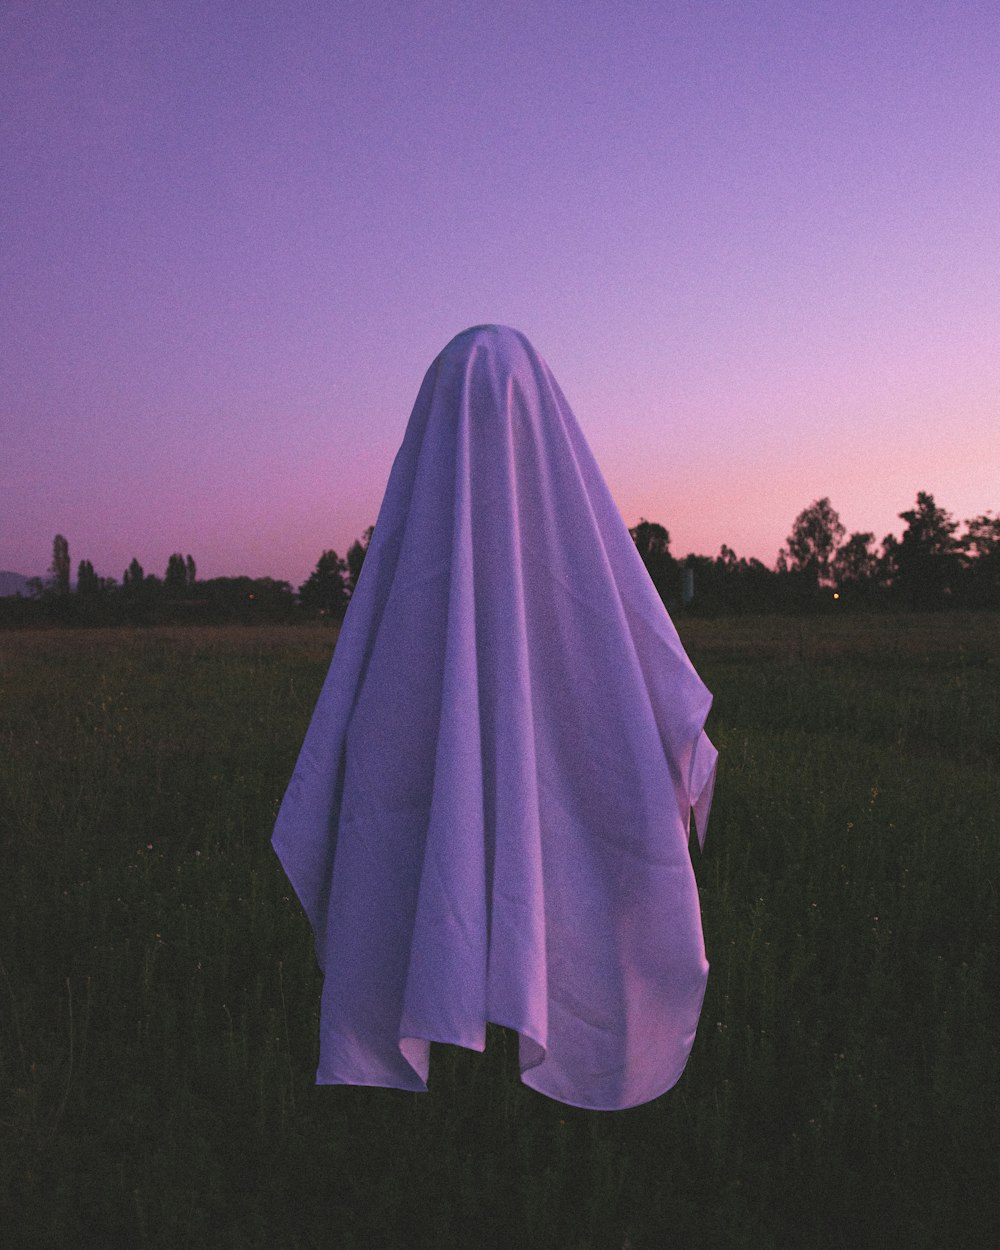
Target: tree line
{"points": [[180, 596], [142, 598], [820, 567], [930, 566]]}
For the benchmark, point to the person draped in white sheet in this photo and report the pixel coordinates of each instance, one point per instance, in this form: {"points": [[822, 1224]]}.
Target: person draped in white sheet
{"points": [[489, 818]]}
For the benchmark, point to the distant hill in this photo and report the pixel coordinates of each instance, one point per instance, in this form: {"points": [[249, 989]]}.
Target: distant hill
{"points": [[13, 584]]}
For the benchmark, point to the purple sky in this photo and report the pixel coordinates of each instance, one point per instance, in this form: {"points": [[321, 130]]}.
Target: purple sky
{"points": [[757, 243]]}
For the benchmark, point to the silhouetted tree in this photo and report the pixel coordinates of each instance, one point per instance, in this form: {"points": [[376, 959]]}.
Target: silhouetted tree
{"points": [[731, 584], [981, 543], [88, 584], [926, 562], [855, 565], [324, 591], [815, 535], [175, 581], [60, 565], [138, 594], [887, 562], [356, 558], [759, 587], [180, 576], [652, 542]]}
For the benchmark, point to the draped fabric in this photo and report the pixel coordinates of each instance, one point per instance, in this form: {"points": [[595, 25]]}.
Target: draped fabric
{"points": [[489, 818]]}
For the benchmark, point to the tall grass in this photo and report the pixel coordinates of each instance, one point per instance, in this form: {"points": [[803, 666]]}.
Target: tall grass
{"points": [[159, 998]]}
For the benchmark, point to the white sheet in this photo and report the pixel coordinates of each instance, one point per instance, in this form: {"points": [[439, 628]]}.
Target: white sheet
{"points": [[489, 817]]}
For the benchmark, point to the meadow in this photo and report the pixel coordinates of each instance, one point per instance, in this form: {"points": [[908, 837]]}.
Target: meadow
{"points": [[159, 995]]}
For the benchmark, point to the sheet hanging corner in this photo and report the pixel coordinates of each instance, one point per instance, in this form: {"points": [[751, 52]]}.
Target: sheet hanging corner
{"points": [[702, 786]]}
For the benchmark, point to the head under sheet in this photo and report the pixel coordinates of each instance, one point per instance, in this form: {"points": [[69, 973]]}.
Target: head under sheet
{"points": [[489, 818]]}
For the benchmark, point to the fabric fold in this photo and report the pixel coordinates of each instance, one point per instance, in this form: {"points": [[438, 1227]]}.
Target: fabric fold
{"points": [[702, 786], [489, 817]]}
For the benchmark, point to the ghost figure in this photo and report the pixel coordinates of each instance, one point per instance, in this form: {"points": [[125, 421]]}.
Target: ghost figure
{"points": [[489, 818]]}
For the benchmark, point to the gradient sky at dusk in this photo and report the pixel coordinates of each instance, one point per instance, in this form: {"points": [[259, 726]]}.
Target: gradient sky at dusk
{"points": [[757, 242]]}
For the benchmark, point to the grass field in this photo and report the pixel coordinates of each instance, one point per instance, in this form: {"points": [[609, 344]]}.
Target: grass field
{"points": [[159, 997]]}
